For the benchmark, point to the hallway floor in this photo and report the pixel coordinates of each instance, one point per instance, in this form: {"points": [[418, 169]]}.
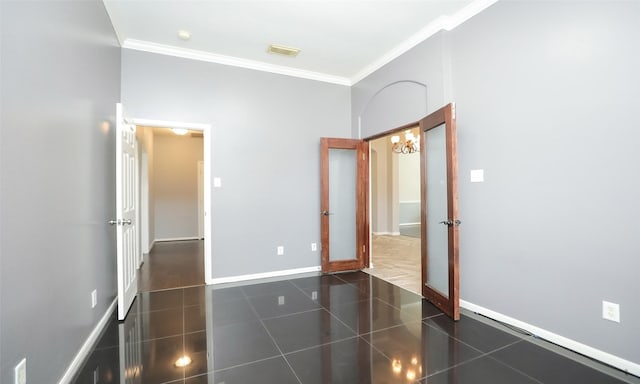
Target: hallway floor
{"points": [[172, 264], [396, 259], [347, 328]]}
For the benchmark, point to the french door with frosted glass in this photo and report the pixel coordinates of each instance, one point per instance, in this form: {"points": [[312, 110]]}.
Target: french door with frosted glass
{"points": [[344, 181], [439, 217]]}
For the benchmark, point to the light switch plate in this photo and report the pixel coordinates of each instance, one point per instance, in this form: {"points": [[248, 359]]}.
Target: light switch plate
{"points": [[217, 182], [611, 311], [477, 175]]}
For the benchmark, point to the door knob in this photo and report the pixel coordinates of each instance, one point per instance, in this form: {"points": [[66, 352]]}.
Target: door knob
{"points": [[449, 223], [326, 213], [120, 222]]}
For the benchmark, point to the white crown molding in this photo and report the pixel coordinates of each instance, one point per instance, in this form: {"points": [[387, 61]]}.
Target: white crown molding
{"points": [[168, 50], [615, 361], [442, 22], [466, 13]]}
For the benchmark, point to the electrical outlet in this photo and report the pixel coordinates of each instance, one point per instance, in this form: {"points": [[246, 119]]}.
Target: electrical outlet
{"points": [[314, 247], [611, 311], [94, 298], [20, 372], [280, 250]]}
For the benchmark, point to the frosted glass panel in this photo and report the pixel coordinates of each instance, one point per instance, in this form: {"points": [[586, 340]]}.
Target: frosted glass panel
{"points": [[342, 204], [437, 233]]}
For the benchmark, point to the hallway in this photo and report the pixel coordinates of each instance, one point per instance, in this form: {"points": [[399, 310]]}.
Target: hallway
{"points": [[396, 259], [172, 264]]}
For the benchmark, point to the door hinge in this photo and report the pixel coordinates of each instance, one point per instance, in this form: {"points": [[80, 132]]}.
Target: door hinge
{"points": [[363, 158], [364, 248]]}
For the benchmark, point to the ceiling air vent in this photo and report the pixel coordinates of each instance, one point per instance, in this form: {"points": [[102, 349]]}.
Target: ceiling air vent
{"points": [[282, 50]]}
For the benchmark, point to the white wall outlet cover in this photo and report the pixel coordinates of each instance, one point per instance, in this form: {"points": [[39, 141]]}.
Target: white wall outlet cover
{"points": [[314, 246], [217, 182], [611, 311], [280, 250], [94, 298], [280, 300], [477, 175], [20, 372]]}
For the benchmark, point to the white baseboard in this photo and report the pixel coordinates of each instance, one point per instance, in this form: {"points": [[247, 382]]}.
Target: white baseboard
{"points": [[86, 348], [387, 233], [615, 361], [176, 239], [153, 243], [286, 272]]}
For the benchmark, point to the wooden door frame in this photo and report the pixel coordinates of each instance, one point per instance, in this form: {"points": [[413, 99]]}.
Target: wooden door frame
{"points": [[362, 204], [445, 114]]}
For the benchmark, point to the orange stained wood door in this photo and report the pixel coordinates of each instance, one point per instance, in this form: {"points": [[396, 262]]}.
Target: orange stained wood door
{"points": [[439, 217], [344, 181]]}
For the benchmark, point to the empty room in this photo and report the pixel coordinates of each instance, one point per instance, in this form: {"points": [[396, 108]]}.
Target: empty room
{"points": [[520, 118]]}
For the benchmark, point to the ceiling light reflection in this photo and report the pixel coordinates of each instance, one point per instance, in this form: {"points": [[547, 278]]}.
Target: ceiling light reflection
{"points": [[183, 361]]}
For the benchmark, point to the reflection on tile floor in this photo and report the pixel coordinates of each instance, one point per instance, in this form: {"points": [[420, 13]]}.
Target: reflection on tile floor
{"points": [[345, 328]]}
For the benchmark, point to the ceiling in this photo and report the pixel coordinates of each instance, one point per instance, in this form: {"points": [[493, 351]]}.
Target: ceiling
{"points": [[340, 41]]}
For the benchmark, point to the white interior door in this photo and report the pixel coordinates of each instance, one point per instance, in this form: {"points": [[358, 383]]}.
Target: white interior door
{"points": [[126, 206]]}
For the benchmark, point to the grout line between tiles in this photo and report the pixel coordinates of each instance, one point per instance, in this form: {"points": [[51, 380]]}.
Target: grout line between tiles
{"points": [[330, 312], [273, 340], [321, 345], [467, 344]]}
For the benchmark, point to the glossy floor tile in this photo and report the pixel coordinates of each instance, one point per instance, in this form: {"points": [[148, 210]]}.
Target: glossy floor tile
{"points": [[346, 328], [172, 264]]}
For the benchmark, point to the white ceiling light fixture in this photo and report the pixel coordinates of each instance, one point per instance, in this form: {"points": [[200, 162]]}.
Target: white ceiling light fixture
{"points": [[184, 35], [180, 131], [282, 50]]}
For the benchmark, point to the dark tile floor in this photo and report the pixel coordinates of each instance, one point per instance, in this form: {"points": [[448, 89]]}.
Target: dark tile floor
{"points": [[347, 328], [172, 264]]}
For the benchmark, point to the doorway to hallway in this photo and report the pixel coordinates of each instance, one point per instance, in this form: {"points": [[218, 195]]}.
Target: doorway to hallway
{"points": [[172, 264], [395, 209], [172, 219]]}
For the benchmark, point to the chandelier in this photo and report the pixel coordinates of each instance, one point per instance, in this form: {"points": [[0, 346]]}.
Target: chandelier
{"points": [[411, 143]]}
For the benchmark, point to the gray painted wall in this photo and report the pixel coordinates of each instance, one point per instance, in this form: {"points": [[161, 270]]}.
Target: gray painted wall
{"points": [[176, 185], [60, 71], [547, 97], [266, 138]]}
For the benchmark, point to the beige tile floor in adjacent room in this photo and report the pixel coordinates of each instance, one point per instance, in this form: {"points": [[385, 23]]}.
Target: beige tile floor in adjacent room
{"points": [[396, 259]]}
